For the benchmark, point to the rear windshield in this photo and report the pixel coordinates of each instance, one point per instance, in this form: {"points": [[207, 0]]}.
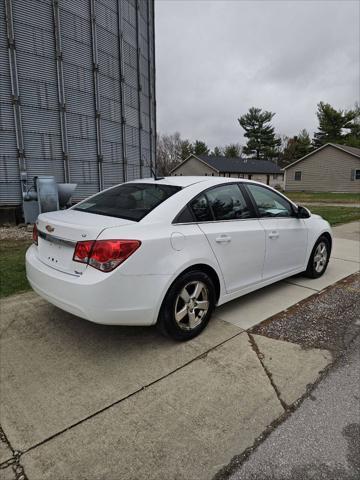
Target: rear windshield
{"points": [[130, 200]]}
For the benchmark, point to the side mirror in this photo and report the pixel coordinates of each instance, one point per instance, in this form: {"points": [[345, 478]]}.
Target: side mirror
{"points": [[302, 212]]}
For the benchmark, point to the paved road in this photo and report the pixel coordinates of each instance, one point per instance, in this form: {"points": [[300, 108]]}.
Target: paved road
{"points": [[321, 440]]}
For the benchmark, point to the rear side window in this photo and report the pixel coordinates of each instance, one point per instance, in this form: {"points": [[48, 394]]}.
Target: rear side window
{"points": [[227, 203], [185, 216], [132, 201]]}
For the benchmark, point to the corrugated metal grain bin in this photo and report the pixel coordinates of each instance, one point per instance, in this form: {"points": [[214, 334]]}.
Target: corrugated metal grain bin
{"points": [[77, 93]]}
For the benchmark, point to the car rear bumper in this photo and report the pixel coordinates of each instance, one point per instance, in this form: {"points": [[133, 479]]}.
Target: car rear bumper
{"points": [[111, 299]]}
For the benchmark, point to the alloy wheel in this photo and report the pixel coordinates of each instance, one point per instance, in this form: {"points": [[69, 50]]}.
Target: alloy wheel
{"points": [[320, 257], [191, 305]]}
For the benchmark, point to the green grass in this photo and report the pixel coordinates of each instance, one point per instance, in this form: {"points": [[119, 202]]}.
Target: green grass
{"points": [[325, 197], [12, 267], [336, 215]]}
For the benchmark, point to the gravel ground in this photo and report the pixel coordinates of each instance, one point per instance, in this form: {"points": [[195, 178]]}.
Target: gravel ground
{"points": [[21, 232], [328, 320]]}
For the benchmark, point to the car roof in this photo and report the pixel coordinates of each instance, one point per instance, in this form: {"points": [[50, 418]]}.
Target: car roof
{"points": [[186, 181], [207, 181], [178, 181]]}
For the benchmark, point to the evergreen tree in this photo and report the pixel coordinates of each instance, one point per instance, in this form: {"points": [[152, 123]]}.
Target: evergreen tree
{"points": [[353, 137], [200, 148], [232, 151], [187, 149], [217, 152], [334, 125], [262, 142], [295, 147]]}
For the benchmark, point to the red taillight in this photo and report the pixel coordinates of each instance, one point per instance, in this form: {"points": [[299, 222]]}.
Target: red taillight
{"points": [[35, 234], [82, 251], [105, 255]]}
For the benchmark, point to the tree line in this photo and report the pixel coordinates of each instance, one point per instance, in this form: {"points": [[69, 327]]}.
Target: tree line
{"points": [[262, 142]]}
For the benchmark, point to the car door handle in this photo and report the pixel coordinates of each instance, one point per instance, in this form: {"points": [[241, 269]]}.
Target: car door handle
{"points": [[223, 239], [273, 234]]}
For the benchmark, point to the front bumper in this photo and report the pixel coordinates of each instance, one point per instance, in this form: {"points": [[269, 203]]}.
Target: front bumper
{"points": [[106, 298]]}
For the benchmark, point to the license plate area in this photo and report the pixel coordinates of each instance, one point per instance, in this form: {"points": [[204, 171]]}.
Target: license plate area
{"points": [[52, 253], [56, 252]]}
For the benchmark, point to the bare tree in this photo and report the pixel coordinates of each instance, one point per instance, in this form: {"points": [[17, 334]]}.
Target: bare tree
{"points": [[168, 152]]}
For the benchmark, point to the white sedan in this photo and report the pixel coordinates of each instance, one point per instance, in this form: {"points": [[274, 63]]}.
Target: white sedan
{"points": [[167, 251]]}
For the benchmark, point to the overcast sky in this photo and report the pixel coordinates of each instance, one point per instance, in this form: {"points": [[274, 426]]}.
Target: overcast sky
{"points": [[217, 58]]}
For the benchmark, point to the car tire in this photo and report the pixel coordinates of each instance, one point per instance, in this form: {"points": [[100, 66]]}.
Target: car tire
{"points": [[319, 258], [187, 306]]}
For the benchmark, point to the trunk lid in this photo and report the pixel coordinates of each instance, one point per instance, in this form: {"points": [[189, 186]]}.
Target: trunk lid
{"points": [[60, 231]]}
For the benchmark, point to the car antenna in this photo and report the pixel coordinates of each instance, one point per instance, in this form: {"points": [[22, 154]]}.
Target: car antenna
{"points": [[153, 171], [154, 174]]}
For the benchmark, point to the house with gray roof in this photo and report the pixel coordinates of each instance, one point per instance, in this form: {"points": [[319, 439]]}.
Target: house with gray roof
{"points": [[263, 171], [330, 168]]}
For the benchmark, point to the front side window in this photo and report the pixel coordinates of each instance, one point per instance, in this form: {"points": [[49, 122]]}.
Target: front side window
{"points": [[228, 203], [131, 201], [269, 203], [297, 176]]}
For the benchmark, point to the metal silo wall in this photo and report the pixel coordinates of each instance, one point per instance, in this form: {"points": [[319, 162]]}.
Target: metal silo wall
{"points": [[10, 192], [86, 83]]}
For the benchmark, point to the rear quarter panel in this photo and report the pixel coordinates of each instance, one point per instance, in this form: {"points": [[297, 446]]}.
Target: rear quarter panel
{"points": [[165, 249], [158, 255]]}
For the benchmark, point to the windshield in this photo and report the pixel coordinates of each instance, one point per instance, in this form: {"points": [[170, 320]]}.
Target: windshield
{"points": [[130, 200]]}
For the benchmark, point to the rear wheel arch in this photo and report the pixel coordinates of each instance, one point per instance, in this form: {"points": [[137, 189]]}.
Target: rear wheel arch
{"points": [[203, 267], [167, 321]]}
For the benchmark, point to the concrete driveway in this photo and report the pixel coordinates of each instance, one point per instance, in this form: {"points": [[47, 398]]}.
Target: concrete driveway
{"points": [[86, 401]]}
